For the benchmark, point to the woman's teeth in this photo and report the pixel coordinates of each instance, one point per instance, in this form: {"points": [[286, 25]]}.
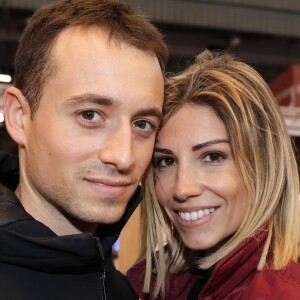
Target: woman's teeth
{"points": [[196, 215]]}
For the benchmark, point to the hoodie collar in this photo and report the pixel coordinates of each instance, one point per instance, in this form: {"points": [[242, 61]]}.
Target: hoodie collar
{"points": [[9, 177]]}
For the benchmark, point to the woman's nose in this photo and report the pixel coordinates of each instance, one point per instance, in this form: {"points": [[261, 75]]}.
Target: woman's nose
{"points": [[188, 183]]}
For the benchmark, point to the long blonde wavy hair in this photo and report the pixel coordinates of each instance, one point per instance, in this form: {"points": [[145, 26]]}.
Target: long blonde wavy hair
{"points": [[262, 151]]}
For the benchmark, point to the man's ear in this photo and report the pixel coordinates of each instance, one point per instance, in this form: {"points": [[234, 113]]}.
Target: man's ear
{"points": [[17, 114]]}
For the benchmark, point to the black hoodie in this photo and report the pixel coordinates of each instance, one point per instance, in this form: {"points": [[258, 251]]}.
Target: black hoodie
{"points": [[36, 264]]}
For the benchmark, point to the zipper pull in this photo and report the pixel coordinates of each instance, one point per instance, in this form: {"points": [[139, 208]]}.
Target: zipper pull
{"points": [[102, 271], [102, 284]]}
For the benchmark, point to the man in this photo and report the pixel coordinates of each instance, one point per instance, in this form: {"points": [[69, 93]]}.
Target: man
{"points": [[84, 112]]}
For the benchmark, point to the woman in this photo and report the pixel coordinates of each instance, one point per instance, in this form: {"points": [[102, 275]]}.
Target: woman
{"points": [[222, 215]]}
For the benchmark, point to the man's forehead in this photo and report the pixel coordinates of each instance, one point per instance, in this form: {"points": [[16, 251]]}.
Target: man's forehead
{"points": [[78, 40], [74, 35]]}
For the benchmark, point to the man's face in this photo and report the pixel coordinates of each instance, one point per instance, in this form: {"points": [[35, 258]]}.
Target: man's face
{"points": [[93, 135]]}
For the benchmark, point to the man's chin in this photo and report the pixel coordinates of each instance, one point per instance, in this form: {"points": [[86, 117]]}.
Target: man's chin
{"points": [[112, 219], [110, 216]]}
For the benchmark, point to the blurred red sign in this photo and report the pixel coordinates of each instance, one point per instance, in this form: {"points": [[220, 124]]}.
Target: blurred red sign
{"points": [[286, 87]]}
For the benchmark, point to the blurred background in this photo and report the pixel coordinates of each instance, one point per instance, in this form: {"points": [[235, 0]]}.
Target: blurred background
{"points": [[265, 34]]}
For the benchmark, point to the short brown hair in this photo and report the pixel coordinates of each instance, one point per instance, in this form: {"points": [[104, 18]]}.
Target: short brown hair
{"points": [[33, 58]]}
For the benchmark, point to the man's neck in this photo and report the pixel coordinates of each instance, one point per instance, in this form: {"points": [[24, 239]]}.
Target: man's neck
{"points": [[49, 215]]}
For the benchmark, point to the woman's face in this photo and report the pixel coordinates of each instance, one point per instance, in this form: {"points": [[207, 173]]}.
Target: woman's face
{"points": [[197, 181]]}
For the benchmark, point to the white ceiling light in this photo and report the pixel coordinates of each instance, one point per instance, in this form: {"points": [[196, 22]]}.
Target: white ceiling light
{"points": [[1, 117], [5, 78]]}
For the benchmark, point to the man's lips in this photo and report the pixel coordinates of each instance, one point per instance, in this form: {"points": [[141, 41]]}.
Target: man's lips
{"points": [[108, 187], [108, 182]]}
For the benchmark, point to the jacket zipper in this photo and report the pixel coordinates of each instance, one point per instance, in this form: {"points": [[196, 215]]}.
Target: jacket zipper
{"points": [[102, 271]]}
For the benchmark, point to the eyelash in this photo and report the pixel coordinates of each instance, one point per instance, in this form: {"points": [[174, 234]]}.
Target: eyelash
{"points": [[100, 118], [221, 156], [153, 127], [157, 162]]}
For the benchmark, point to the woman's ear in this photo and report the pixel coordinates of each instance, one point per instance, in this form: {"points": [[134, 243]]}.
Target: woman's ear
{"points": [[17, 114]]}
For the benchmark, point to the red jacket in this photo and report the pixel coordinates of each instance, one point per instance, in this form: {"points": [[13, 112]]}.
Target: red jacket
{"points": [[234, 278]]}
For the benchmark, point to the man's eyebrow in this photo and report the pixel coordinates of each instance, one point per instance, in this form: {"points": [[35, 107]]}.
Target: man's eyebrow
{"points": [[151, 112], [208, 143], [109, 101], [92, 98]]}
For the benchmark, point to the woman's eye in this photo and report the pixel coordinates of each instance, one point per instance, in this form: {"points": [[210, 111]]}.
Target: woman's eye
{"points": [[164, 162], [144, 125], [214, 157]]}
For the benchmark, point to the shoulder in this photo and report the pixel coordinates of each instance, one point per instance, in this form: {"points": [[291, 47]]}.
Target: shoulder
{"points": [[136, 275], [10, 208], [283, 284], [178, 285], [290, 276]]}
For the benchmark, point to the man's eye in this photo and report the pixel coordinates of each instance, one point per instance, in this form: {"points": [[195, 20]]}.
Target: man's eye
{"points": [[90, 118], [88, 115], [144, 125], [214, 157]]}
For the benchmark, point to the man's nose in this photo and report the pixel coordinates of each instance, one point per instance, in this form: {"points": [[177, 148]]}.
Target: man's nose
{"points": [[118, 149]]}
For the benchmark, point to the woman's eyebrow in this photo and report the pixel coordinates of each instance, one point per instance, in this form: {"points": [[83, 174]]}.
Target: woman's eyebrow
{"points": [[208, 143], [194, 148], [163, 150]]}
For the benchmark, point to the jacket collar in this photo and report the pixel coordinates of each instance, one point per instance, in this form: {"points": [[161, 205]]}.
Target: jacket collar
{"points": [[236, 267], [233, 269]]}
